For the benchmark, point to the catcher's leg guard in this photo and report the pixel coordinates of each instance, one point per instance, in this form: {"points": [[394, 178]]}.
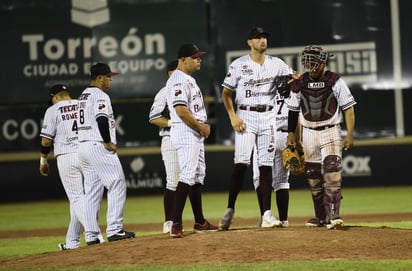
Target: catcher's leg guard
{"points": [[332, 200], [315, 181], [333, 177]]}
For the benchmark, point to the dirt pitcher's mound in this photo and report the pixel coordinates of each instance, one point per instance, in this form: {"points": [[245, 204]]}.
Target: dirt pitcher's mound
{"points": [[235, 246]]}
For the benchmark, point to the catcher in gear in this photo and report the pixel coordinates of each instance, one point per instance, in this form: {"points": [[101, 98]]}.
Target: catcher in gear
{"points": [[318, 101], [293, 160]]}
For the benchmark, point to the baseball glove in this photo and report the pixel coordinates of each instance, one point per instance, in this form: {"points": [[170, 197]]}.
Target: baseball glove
{"points": [[293, 160], [281, 83]]}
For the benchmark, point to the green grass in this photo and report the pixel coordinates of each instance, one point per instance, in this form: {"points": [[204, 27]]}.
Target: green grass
{"points": [[149, 209]]}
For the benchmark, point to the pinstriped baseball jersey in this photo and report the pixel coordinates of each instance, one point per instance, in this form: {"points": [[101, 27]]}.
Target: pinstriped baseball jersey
{"points": [[183, 90], [339, 90], [158, 107], [94, 103], [281, 111], [96, 159], [169, 154], [60, 125], [280, 175], [252, 81]]}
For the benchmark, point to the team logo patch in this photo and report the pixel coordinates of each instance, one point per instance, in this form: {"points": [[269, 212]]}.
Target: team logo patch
{"points": [[247, 72], [228, 74], [316, 85], [178, 92], [101, 106], [271, 148]]}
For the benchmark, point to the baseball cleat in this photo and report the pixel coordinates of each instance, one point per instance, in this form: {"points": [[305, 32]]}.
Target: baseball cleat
{"points": [[62, 246], [285, 224], [259, 223], [94, 242], [315, 222], [177, 230], [227, 219], [122, 234], [205, 227], [335, 224], [269, 221], [167, 226]]}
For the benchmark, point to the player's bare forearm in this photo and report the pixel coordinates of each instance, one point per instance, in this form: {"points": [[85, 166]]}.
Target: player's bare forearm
{"points": [[110, 146], [296, 75], [45, 149], [161, 122], [187, 117], [237, 123], [291, 141], [204, 130], [350, 126], [46, 142], [227, 102], [350, 120]]}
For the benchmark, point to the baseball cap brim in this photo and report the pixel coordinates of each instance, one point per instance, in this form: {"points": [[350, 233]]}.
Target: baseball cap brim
{"points": [[198, 54]]}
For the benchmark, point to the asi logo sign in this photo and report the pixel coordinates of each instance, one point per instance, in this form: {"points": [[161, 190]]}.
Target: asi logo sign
{"points": [[356, 166], [90, 13]]}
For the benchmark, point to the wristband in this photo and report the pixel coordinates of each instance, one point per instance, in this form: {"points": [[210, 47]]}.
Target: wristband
{"points": [[43, 161], [169, 123], [45, 150]]}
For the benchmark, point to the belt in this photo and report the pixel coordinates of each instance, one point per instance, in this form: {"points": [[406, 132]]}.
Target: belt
{"points": [[321, 128], [257, 108], [283, 130]]}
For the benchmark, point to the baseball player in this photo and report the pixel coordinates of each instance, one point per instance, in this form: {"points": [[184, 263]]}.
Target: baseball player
{"points": [[97, 153], [188, 132], [159, 115], [251, 77], [280, 175], [57, 130], [317, 99]]}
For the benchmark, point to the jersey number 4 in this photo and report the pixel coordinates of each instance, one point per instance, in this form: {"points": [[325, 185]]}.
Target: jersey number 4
{"points": [[81, 120]]}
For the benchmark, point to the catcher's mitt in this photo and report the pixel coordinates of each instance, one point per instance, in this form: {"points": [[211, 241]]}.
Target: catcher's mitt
{"points": [[293, 160], [281, 83]]}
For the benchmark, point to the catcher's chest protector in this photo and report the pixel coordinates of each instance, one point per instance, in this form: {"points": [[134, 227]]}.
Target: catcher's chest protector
{"points": [[317, 100]]}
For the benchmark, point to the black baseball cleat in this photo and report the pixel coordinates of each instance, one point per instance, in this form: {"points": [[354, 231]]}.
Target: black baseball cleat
{"points": [[62, 246], [121, 235], [94, 242]]}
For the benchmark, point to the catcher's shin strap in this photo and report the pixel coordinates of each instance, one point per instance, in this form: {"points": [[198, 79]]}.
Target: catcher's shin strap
{"points": [[257, 108]]}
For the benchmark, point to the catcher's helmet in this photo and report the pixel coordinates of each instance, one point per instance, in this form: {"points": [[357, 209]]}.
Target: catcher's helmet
{"points": [[312, 56]]}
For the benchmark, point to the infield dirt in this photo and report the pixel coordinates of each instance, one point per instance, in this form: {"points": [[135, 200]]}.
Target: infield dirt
{"points": [[237, 245]]}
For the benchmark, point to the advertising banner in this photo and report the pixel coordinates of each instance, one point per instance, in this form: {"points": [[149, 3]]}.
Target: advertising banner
{"points": [[20, 126], [50, 42], [361, 35], [362, 166]]}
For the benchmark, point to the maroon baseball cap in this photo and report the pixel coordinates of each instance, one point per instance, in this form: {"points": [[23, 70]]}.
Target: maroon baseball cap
{"points": [[189, 50], [256, 32], [101, 69]]}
